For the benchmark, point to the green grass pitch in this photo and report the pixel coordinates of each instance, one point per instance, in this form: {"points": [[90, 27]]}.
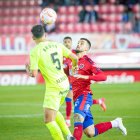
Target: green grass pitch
{"points": [[21, 112]]}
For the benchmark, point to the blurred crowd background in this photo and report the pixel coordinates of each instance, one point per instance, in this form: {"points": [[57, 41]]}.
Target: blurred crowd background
{"points": [[73, 15], [112, 26]]}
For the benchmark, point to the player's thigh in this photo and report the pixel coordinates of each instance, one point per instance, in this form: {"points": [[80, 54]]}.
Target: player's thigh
{"points": [[49, 115], [78, 118], [90, 131], [52, 100], [82, 105], [70, 94]]}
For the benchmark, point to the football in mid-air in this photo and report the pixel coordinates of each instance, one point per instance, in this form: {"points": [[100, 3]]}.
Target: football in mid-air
{"points": [[48, 16]]}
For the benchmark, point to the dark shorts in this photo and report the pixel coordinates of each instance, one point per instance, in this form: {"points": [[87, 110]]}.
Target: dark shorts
{"points": [[82, 106], [70, 86]]}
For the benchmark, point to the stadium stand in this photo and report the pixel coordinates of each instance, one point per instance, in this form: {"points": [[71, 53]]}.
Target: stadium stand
{"points": [[17, 16]]}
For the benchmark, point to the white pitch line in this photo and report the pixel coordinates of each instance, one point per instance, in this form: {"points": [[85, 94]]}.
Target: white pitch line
{"points": [[20, 104], [24, 104], [21, 116], [41, 115]]}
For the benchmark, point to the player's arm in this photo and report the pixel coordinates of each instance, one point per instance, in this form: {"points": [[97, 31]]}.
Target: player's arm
{"points": [[97, 74], [74, 59], [100, 76], [32, 73], [32, 68], [68, 54]]}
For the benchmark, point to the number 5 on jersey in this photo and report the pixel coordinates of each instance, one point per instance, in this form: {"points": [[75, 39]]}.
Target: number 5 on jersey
{"points": [[56, 60]]}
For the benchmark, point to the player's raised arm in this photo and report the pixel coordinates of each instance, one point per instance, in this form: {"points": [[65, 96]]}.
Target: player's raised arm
{"points": [[74, 59], [68, 54]]}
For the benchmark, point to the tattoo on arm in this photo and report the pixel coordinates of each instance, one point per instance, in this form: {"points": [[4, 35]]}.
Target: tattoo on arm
{"points": [[78, 118]]}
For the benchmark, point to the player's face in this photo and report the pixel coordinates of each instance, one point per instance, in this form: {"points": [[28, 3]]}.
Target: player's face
{"points": [[68, 43], [82, 45]]}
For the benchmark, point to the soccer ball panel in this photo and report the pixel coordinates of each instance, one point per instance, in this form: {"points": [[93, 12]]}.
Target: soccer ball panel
{"points": [[48, 16]]}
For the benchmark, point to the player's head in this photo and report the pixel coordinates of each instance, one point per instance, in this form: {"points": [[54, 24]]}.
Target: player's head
{"points": [[38, 32], [83, 45], [67, 41]]}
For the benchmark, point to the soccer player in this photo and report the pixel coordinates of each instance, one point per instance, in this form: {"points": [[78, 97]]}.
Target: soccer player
{"points": [[83, 119], [67, 41], [47, 56]]}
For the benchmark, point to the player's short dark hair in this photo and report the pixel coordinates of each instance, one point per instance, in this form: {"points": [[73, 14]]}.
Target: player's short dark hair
{"points": [[89, 43], [38, 31], [67, 37]]}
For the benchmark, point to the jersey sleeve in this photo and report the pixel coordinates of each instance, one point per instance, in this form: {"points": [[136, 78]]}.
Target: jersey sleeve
{"points": [[95, 69], [33, 60], [66, 52], [98, 74]]}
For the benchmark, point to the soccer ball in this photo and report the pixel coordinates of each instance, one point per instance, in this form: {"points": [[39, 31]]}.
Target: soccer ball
{"points": [[48, 16]]}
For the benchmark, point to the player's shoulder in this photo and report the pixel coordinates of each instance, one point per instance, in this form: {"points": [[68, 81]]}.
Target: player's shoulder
{"points": [[33, 50], [89, 60], [55, 42]]}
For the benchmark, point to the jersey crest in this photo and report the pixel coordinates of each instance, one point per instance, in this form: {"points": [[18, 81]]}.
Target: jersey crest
{"points": [[81, 66]]}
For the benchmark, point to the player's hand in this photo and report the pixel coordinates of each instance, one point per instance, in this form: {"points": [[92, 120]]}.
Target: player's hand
{"points": [[79, 76], [27, 68], [74, 70]]}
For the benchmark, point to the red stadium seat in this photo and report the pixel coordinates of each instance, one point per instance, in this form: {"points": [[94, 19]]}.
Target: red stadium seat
{"points": [[14, 20], [112, 27], [15, 3], [62, 10], [72, 19], [136, 8], [119, 27], [78, 9], [70, 28], [1, 22], [62, 19], [112, 9], [37, 11], [103, 8], [7, 3], [1, 3], [120, 9], [14, 11], [71, 10], [4, 30], [103, 27], [6, 21], [86, 27], [62, 28], [78, 28], [94, 27], [96, 8], [114, 18], [23, 11], [128, 27], [6, 12], [1, 12]]}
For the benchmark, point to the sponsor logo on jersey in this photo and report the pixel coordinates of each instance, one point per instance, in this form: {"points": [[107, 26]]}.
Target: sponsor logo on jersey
{"points": [[81, 66]]}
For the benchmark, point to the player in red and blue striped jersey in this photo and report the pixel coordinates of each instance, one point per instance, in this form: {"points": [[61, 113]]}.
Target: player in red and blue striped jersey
{"points": [[67, 41], [82, 95]]}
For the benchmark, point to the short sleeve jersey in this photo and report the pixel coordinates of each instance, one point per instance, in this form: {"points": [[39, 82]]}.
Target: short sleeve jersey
{"points": [[48, 58]]}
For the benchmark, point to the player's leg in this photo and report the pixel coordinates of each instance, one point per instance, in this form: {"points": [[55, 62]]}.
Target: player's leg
{"points": [[68, 101], [92, 131], [81, 107], [101, 102], [62, 124], [78, 126], [51, 124], [61, 121], [51, 106]]}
